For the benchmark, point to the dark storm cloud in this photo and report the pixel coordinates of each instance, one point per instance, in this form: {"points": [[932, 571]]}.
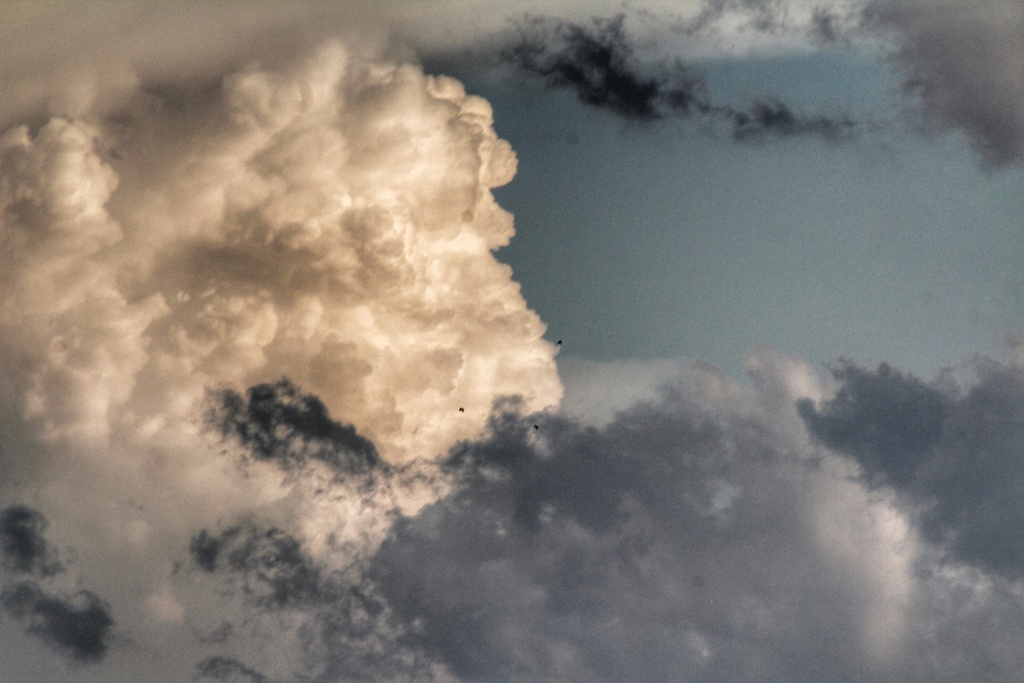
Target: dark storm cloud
{"points": [[277, 422], [671, 545], [78, 626], [964, 62], [959, 456], [889, 421], [24, 549], [689, 539], [598, 62]]}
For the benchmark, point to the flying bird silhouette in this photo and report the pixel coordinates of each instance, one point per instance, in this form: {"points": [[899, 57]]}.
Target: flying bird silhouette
{"points": [[462, 410]]}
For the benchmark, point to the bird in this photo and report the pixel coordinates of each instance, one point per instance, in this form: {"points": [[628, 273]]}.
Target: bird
{"points": [[559, 343], [462, 410], [536, 426]]}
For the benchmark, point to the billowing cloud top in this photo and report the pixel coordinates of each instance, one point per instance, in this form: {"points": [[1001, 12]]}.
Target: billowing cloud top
{"points": [[331, 221]]}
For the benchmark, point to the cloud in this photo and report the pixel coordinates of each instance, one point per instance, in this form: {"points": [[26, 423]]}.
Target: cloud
{"points": [[699, 535], [329, 622], [22, 543], [79, 625], [599, 62], [179, 248], [771, 118], [888, 420], [277, 573], [277, 422], [288, 222], [688, 539], [962, 62], [176, 240], [954, 453]]}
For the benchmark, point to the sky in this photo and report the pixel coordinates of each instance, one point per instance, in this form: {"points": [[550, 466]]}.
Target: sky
{"points": [[468, 341]]}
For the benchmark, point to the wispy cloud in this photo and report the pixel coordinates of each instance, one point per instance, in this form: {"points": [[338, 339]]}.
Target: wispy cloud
{"points": [[598, 61]]}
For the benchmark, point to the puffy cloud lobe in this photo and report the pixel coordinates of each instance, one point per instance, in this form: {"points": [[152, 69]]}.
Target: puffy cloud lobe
{"points": [[332, 222], [964, 62], [889, 420], [72, 340], [957, 455]]}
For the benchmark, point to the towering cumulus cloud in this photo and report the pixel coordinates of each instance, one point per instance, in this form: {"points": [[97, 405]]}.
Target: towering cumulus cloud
{"points": [[331, 222], [179, 260]]}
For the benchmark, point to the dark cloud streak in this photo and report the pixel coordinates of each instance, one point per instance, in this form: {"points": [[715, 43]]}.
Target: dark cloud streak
{"points": [[598, 62], [277, 422]]}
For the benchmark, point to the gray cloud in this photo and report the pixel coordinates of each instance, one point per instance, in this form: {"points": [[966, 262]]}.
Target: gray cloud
{"points": [[698, 536], [673, 544], [956, 454], [23, 546], [598, 62], [963, 62], [345, 630], [772, 118], [888, 420], [79, 625], [276, 573]]}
